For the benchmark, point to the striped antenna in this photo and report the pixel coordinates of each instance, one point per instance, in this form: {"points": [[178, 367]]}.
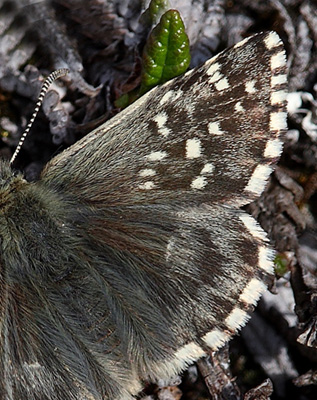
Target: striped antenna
{"points": [[51, 78]]}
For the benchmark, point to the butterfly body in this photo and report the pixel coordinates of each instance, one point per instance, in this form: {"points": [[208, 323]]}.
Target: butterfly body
{"points": [[130, 257]]}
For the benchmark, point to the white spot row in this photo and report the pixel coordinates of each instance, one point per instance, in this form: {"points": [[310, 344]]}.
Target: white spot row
{"points": [[147, 172], [238, 317], [215, 339], [216, 77], [161, 120], [201, 181]]}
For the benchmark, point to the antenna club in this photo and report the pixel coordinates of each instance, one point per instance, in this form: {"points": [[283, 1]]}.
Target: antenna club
{"points": [[48, 81]]}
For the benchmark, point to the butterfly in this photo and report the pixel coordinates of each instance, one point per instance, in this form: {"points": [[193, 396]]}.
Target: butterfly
{"points": [[131, 256]]}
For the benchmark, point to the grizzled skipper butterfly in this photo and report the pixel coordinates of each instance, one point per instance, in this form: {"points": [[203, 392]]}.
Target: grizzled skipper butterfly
{"points": [[131, 256]]}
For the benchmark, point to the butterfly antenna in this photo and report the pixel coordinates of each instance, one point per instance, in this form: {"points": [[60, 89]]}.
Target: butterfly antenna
{"points": [[48, 81]]}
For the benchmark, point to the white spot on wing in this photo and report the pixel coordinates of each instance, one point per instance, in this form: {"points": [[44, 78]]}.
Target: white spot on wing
{"points": [[193, 148], [252, 292], [236, 319], [147, 172], [183, 357], [167, 96], [278, 97], [249, 87], [238, 107], [278, 121], [208, 169], [278, 60], [156, 156], [278, 80], [266, 257], [273, 148], [253, 227], [212, 69], [199, 183], [147, 185], [222, 84], [161, 120], [216, 339], [215, 77], [258, 179], [272, 40], [190, 352], [214, 128]]}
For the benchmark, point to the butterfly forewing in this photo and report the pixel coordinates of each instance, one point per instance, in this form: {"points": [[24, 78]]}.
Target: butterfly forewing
{"points": [[153, 260], [203, 133]]}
